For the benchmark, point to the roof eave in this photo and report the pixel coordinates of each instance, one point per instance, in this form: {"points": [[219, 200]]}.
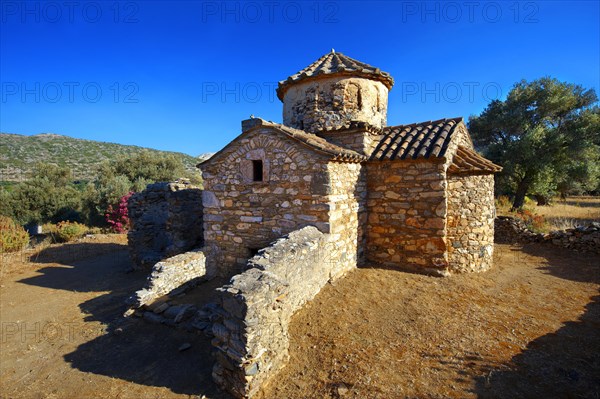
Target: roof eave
{"points": [[258, 123], [284, 85]]}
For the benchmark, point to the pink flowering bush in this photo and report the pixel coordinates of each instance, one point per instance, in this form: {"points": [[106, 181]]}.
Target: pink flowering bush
{"points": [[118, 217]]}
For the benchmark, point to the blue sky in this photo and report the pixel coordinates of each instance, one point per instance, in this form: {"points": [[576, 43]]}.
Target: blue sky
{"points": [[180, 76]]}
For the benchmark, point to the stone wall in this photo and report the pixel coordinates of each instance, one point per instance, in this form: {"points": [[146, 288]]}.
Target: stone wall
{"points": [[359, 136], [242, 216], [407, 215], [333, 102], [166, 220], [254, 309], [172, 274], [509, 230], [347, 213], [470, 222]]}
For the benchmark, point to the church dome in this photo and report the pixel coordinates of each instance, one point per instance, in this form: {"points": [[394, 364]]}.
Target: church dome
{"points": [[339, 64], [334, 91]]}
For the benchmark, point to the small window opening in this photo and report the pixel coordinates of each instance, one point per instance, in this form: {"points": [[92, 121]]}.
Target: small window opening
{"points": [[257, 170]]}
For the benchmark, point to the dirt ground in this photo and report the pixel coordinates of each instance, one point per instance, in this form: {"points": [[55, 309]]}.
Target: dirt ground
{"points": [[529, 328], [63, 337]]}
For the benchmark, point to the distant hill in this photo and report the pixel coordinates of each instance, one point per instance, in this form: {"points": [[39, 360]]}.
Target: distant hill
{"points": [[205, 156], [18, 154]]}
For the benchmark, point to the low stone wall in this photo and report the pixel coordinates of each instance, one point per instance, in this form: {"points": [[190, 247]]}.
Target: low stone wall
{"points": [[166, 220], [255, 308], [584, 238], [172, 274]]}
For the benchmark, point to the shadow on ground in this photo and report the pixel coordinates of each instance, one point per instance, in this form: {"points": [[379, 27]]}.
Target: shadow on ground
{"points": [[149, 355], [84, 268], [69, 253], [562, 364], [131, 349], [581, 203]]}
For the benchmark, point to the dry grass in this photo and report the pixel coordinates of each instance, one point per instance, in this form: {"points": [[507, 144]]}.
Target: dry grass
{"points": [[572, 212], [562, 214]]}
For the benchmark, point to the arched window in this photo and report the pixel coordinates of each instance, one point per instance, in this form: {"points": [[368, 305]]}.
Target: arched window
{"points": [[353, 97]]}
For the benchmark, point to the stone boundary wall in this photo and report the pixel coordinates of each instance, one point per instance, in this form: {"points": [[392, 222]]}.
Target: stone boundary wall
{"points": [[509, 230], [171, 274], [254, 310], [166, 220]]}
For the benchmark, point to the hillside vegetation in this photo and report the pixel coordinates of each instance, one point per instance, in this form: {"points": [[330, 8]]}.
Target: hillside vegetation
{"points": [[57, 179], [19, 154]]}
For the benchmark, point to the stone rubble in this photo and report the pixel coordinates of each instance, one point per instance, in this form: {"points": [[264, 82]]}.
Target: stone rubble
{"points": [[510, 230], [185, 317]]}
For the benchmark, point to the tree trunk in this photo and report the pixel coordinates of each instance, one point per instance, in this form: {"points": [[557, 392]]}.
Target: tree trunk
{"points": [[563, 196], [542, 200], [520, 194]]}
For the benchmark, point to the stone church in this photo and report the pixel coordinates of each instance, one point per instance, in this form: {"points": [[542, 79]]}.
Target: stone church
{"points": [[287, 208], [414, 197]]}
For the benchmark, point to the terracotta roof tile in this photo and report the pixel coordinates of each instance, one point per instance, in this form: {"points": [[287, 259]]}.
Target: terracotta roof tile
{"points": [[320, 144], [418, 140], [310, 140], [336, 64], [467, 161]]}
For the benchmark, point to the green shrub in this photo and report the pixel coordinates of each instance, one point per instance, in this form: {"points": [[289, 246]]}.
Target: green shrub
{"points": [[12, 236], [69, 231], [48, 228]]}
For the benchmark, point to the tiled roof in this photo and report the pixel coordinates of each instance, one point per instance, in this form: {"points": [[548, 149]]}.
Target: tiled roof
{"points": [[468, 161], [320, 144], [317, 143], [338, 64], [417, 140], [310, 140]]}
